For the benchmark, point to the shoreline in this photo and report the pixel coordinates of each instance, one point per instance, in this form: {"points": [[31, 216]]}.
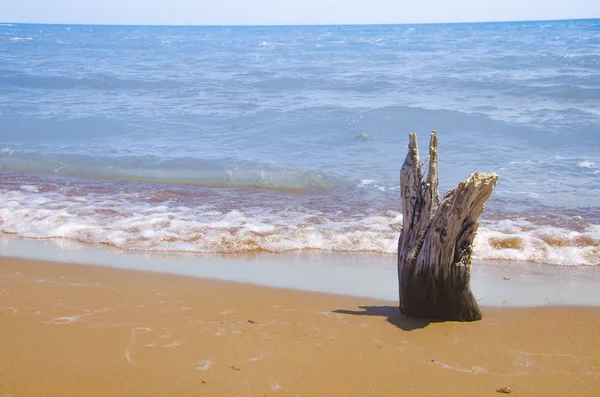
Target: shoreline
{"points": [[368, 275], [105, 331]]}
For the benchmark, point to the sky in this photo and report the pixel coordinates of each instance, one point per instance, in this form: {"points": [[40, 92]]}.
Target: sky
{"points": [[289, 12]]}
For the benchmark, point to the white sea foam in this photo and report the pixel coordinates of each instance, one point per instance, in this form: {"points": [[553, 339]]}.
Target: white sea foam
{"points": [[586, 164], [370, 182], [123, 222], [526, 241], [366, 182], [29, 188], [20, 38]]}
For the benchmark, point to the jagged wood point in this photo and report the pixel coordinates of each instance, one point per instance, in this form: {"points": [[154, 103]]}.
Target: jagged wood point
{"points": [[436, 242]]}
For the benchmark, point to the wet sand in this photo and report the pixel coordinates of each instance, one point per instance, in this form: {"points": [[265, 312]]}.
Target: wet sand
{"points": [[79, 330]]}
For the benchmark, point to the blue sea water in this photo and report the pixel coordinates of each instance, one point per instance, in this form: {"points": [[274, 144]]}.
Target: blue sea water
{"points": [[233, 139]]}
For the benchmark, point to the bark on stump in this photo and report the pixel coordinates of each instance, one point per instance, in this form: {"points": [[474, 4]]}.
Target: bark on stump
{"points": [[436, 242]]}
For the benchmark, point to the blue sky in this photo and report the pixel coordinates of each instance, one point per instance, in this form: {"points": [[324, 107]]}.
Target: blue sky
{"points": [[284, 12]]}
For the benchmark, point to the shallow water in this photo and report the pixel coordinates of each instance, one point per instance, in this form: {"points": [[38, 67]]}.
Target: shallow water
{"points": [[235, 139], [364, 274]]}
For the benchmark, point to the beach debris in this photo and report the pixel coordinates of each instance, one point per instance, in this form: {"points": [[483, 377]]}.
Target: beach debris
{"points": [[236, 368], [436, 242], [505, 390], [204, 381], [251, 321], [506, 278]]}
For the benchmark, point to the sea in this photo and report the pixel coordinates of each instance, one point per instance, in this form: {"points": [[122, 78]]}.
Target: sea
{"points": [[274, 139]]}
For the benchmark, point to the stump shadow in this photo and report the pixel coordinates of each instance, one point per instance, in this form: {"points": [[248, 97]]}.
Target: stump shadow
{"points": [[393, 316]]}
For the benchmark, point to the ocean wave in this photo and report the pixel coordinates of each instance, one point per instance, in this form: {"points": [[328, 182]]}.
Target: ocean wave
{"points": [[155, 170], [123, 223], [159, 222], [98, 82], [519, 240]]}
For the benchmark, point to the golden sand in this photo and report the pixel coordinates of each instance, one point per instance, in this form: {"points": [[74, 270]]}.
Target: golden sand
{"points": [[74, 330]]}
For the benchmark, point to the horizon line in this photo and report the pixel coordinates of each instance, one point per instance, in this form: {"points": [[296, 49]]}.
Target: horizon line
{"points": [[297, 25]]}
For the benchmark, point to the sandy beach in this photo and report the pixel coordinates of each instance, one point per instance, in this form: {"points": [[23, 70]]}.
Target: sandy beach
{"points": [[93, 331]]}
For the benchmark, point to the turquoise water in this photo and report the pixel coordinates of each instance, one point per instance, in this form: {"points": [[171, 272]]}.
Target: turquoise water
{"points": [[230, 139]]}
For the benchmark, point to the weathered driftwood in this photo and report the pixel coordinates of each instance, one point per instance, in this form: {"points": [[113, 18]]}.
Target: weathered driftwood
{"points": [[434, 250]]}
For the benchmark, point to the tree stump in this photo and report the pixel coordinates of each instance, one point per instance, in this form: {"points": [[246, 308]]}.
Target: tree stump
{"points": [[436, 242]]}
